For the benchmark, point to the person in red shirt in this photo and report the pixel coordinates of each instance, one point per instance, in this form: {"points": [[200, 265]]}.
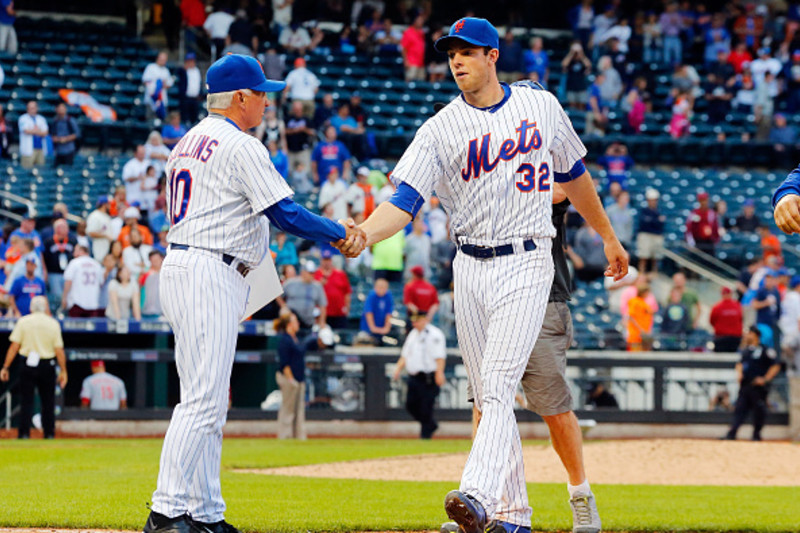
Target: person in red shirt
{"points": [[413, 47], [739, 57], [337, 290], [770, 245], [726, 319], [702, 228], [420, 296]]}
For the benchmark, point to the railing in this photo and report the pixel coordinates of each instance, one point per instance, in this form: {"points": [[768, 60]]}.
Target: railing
{"points": [[27, 202], [701, 270]]}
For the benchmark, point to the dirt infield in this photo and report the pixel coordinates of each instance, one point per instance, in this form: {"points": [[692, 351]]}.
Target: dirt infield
{"points": [[649, 462]]}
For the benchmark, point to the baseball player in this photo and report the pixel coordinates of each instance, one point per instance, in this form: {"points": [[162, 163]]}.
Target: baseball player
{"points": [[786, 202], [492, 155], [545, 385], [102, 391], [220, 183]]}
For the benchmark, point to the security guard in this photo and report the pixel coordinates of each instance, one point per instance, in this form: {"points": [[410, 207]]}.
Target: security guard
{"points": [[757, 368], [37, 337], [423, 357]]}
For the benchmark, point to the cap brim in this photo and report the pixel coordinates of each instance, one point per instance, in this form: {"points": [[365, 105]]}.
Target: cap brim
{"points": [[269, 86], [443, 44]]}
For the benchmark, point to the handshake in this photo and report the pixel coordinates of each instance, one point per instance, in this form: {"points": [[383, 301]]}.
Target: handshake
{"points": [[354, 242]]}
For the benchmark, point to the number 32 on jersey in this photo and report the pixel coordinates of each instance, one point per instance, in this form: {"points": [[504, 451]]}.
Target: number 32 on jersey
{"points": [[180, 189], [530, 176]]}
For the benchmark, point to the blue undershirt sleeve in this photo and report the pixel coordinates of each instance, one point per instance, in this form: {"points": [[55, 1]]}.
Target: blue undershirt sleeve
{"points": [[791, 185], [288, 216], [576, 171], [408, 199]]}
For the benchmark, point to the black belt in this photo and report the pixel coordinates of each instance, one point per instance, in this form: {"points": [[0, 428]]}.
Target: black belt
{"points": [[228, 259], [488, 252]]}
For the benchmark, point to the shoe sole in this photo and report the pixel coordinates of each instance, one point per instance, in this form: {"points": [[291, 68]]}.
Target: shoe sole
{"points": [[460, 513]]}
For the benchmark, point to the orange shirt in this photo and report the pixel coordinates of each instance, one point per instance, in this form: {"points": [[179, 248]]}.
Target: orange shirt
{"points": [[125, 235], [639, 311], [115, 209], [771, 246], [369, 199]]}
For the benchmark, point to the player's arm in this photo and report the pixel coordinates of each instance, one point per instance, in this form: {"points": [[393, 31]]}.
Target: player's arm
{"points": [[287, 215], [786, 202], [581, 192], [393, 215]]}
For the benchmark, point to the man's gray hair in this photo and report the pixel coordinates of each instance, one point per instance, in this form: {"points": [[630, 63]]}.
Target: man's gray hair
{"points": [[222, 100], [38, 304]]}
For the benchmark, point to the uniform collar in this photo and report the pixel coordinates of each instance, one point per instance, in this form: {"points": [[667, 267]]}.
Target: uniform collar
{"points": [[493, 108]]}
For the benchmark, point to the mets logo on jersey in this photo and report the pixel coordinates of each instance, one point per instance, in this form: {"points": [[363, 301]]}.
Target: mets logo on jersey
{"points": [[459, 25], [479, 160]]}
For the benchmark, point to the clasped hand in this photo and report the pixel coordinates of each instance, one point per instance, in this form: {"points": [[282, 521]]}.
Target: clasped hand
{"points": [[355, 240]]}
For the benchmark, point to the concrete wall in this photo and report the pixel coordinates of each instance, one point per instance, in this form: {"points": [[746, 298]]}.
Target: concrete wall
{"points": [[794, 408]]}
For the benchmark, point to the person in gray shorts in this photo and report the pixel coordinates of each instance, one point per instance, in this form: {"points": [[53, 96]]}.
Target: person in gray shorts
{"points": [[547, 392]]}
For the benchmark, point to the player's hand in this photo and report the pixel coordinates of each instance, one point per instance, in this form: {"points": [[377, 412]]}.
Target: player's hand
{"points": [[4, 374], [355, 241], [617, 260], [787, 214], [62, 379]]}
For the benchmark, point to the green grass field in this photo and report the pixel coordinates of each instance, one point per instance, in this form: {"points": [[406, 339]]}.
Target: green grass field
{"points": [[107, 483]]}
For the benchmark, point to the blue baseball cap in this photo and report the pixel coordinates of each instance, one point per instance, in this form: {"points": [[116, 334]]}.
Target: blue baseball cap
{"points": [[475, 31], [102, 200], [234, 72], [795, 281]]}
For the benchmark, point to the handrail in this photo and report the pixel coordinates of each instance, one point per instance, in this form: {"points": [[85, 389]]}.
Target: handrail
{"points": [[709, 258], [21, 200], [697, 269], [12, 215]]}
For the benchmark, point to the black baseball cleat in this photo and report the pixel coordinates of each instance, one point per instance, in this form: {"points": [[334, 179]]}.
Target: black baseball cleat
{"points": [[158, 523], [217, 527], [465, 511]]}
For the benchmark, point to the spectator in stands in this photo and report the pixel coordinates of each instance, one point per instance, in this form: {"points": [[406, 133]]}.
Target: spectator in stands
{"points": [[387, 258], [299, 135], [600, 25], [436, 63], [134, 174], [337, 290], [621, 215], [64, 133], [652, 39], [757, 368], [119, 201], [749, 27], [611, 86], [361, 196], [636, 109], [650, 234], [790, 325], [596, 108], [33, 131], [599, 397], [378, 308], [689, 297], [17, 270], [241, 37], [136, 255], [132, 217], [149, 282], [334, 193], [413, 48], [739, 58], [156, 153], [103, 392], [161, 244], [58, 252], [671, 23], [291, 378], [419, 295], [745, 98], [717, 42], [157, 79], [764, 106], [726, 319], [305, 297], [587, 255], [274, 65], [620, 33], [8, 35], [27, 230], [719, 99], [417, 249], [792, 79], [640, 321], [576, 67], [581, 18], [301, 180], [536, 62], [770, 245], [295, 39], [190, 89], [24, 288], [784, 141], [279, 158], [387, 39], [83, 279], [271, 129], [510, 63], [351, 133], [722, 69], [675, 322], [173, 130], [357, 109], [702, 228], [681, 115], [725, 222], [217, 25], [323, 113], [286, 253], [116, 253], [281, 16], [748, 221], [98, 227], [194, 17], [302, 86], [330, 153], [123, 297], [5, 131], [617, 164]]}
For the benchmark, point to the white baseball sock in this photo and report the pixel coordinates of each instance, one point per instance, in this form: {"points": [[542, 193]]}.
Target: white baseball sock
{"points": [[583, 488]]}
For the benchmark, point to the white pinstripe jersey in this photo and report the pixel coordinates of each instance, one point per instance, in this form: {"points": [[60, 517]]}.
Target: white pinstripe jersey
{"points": [[493, 169], [219, 180]]}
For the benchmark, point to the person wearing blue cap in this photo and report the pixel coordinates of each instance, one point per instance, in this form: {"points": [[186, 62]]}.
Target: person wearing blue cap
{"points": [[222, 190], [748, 221], [767, 303], [492, 155]]}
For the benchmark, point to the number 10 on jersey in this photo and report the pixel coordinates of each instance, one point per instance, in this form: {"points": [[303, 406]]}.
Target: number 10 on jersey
{"points": [[180, 192]]}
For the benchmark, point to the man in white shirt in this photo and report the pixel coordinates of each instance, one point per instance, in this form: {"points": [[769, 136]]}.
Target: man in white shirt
{"points": [[334, 192], [189, 88], [763, 64], [157, 80], [301, 86], [33, 130], [103, 392], [295, 39], [281, 15], [423, 356], [137, 256], [217, 25], [82, 280], [134, 174], [100, 229]]}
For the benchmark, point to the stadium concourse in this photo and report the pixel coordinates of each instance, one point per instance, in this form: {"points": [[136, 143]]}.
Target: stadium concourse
{"points": [[689, 120]]}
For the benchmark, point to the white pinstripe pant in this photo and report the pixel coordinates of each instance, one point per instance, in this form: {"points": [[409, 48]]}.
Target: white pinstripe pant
{"points": [[499, 305], [203, 299]]}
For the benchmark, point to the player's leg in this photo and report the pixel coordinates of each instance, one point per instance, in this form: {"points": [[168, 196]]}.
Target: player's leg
{"points": [[203, 300], [516, 308]]}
